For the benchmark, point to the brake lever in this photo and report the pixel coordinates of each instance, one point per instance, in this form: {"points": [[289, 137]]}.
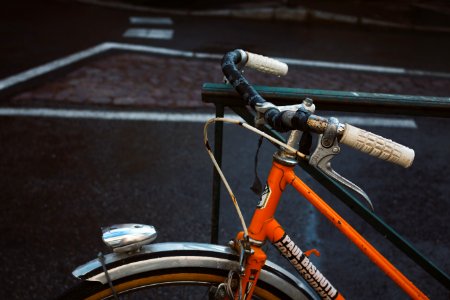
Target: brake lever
{"points": [[327, 148]]}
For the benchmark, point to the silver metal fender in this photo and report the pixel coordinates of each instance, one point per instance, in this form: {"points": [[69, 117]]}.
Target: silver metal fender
{"points": [[178, 255]]}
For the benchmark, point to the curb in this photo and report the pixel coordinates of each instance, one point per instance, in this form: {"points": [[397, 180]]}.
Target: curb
{"points": [[299, 14]]}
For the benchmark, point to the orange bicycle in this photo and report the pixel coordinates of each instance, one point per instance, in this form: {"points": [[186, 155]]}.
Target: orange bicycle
{"points": [[241, 269]]}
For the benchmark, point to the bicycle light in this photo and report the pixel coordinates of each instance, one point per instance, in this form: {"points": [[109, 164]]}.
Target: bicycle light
{"points": [[128, 237]]}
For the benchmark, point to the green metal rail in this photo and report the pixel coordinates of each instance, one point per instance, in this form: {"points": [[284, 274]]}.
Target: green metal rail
{"points": [[336, 100], [222, 95]]}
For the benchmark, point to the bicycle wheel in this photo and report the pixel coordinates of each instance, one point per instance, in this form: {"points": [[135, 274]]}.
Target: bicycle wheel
{"points": [[184, 267]]}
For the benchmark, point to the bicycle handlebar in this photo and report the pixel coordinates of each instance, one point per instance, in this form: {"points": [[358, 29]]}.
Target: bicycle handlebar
{"points": [[302, 119], [377, 146], [266, 64]]}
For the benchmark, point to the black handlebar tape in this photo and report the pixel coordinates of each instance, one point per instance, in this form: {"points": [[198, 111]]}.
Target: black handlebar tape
{"points": [[288, 120], [277, 120], [281, 121], [300, 120], [237, 80]]}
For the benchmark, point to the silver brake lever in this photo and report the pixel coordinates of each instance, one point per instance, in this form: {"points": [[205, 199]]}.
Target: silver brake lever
{"points": [[327, 149]]}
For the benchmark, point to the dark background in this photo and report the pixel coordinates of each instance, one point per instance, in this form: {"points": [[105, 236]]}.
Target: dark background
{"points": [[63, 179]]}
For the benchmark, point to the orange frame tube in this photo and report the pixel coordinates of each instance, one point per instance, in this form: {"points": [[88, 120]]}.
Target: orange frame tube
{"points": [[264, 226]]}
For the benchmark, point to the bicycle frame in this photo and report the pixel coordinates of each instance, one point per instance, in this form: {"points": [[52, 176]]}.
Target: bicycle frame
{"points": [[264, 226]]}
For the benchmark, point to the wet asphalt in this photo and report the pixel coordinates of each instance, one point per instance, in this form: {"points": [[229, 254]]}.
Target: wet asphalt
{"points": [[63, 179]]}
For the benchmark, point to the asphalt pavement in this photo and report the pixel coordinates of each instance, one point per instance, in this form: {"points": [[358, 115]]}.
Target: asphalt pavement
{"points": [[67, 178], [66, 175], [37, 33]]}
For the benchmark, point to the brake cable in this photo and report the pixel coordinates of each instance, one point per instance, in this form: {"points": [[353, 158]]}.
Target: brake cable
{"points": [[216, 165]]}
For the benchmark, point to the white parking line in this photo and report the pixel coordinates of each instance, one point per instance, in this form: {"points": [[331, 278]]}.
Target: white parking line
{"points": [[150, 21], [104, 47], [174, 117], [149, 33], [52, 66], [378, 122], [345, 66], [107, 115], [360, 67]]}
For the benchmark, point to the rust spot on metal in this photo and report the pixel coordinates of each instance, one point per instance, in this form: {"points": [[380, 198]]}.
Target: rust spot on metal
{"points": [[317, 124]]}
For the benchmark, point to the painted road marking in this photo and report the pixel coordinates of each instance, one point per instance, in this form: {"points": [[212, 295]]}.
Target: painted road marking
{"points": [[150, 21], [175, 117], [108, 46], [149, 33], [345, 66], [360, 67], [378, 122], [51, 66], [108, 115]]}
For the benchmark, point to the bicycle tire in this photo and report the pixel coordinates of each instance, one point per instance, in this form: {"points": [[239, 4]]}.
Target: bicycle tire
{"points": [[178, 264]]}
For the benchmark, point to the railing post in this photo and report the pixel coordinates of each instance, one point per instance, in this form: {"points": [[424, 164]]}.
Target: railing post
{"points": [[215, 208]]}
